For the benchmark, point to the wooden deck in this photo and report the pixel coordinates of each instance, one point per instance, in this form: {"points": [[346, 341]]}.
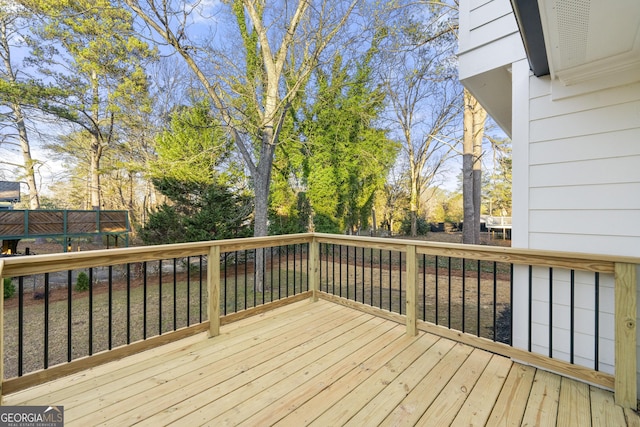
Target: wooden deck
{"points": [[322, 364]]}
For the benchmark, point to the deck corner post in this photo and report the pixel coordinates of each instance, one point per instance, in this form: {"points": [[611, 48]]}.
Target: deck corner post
{"points": [[213, 287], [412, 291], [314, 269], [626, 393]]}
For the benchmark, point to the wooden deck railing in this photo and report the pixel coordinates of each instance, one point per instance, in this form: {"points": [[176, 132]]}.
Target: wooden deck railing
{"points": [[463, 292]]}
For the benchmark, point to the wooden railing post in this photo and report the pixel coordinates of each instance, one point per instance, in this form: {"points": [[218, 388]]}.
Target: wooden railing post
{"points": [[213, 286], [626, 393], [314, 268], [412, 291]]}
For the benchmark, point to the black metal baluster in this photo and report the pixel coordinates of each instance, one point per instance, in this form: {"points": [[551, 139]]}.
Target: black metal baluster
{"points": [[424, 287], [340, 267], [271, 287], [363, 275], [380, 278], [200, 289], [175, 294], [235, 281], [159, 297], [319, 266], [400, 282], [110, 314], [572, 308], [144, 300], [188, 291], [46, 320], [464, 293], [390, 281], [550, 311], [347, 271], [20, 324], [90, 311], [449, 295], [597, 323], [226, 254], [333, 269], [437, 290], [246, 282], [511, 304], [279, 272], [69, 315], [530, 306], [295, 255], [128, 303], [287, 270], [495, 297], [371, 276], [478, 301]]}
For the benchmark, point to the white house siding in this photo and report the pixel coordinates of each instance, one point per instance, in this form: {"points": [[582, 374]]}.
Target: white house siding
{"points": [[576, 179], [489, 42], [583, 196], [584, 173], [483, 22]]}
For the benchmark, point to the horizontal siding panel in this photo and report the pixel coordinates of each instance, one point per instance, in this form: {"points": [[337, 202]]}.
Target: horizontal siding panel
{"points": [[611, 196], [606, 245], [493, 30], [600, 120], [474, 4], [539, 86], [474, 59], [606, 222], [588, 172], [545, 107], [588, 147], [489, 12]]}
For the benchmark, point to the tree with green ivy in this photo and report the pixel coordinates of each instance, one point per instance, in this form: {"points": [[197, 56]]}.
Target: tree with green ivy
{"points": [[341, 157]]}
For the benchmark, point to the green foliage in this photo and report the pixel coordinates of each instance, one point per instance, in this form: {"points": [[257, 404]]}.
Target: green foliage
{"points": [[192, 148], [199, 212], [344, 157], [291, 219], [496, 186], [9, 288], [422, 226], [89, 54], [82, 282]]}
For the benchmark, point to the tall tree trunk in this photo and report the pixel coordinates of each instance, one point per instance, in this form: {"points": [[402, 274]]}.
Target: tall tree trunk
{"points": [[29, 163], [474, 119], [29, 169], [96, 146], [94, 173]]}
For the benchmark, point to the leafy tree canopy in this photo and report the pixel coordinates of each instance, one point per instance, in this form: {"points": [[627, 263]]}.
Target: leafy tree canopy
{"points": [[344, 157], [199, 212], [202, 204]]}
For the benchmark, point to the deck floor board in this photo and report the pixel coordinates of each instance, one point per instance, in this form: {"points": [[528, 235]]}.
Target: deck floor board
{"points": [[321, 364]]}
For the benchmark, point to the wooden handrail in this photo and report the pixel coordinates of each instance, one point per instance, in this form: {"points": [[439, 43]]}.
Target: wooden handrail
{"points": [[623, 268]]}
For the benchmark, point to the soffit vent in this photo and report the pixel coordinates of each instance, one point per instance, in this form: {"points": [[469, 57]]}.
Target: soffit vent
{"points": [[573, 30]]}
